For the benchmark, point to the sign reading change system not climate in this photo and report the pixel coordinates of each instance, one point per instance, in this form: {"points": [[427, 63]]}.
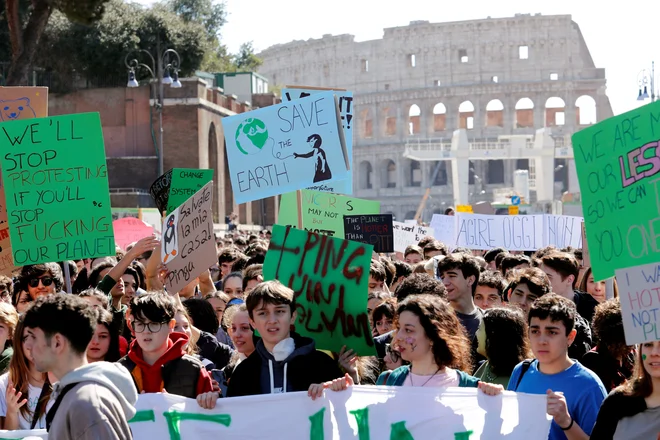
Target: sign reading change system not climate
{"points": [[56, 186], [285, 147]]}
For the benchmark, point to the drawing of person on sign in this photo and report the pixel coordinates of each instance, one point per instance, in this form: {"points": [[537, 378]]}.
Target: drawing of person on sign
{"points": [[322, 169], [170, 239]]}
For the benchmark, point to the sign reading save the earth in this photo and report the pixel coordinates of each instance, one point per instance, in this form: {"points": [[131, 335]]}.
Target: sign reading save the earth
{"points": [[285, 147]]}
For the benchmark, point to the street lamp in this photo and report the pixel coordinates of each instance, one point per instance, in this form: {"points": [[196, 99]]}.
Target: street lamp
{"points": [[644, 81], [164, 72]]}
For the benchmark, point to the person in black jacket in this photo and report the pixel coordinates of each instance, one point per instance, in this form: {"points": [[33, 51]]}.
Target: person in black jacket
{"points": [[283, 361]]}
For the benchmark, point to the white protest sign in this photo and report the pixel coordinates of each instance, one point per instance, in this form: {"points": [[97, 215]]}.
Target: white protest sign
{"points": [[562, 231], [639, 294], [512, 232], [444, 229], [408, 234], [364, 412]]}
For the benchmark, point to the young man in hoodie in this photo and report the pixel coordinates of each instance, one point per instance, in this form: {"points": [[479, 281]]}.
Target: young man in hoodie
{"points": [[156, 358], [283, 361], [93, 401]]}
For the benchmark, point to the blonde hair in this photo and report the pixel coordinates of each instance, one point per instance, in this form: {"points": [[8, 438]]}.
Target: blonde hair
{"points": [[9, 317]]}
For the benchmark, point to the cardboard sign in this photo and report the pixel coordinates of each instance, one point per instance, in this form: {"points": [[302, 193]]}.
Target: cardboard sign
{"points": [[20, 103], [376, 230], [286, 147], [16, 103], [160, 191], [640, 302], [617, 167], [323, 213], [188, 244], [129, 230], [58, 199], [330, 278], [406, 234], [346, 111], [562, 231]]}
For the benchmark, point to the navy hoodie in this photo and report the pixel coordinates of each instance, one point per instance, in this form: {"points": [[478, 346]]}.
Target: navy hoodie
{"points": [[303, 367]]}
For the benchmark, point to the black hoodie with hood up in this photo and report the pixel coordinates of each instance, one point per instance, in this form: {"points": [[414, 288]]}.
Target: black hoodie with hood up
{"points": [[260, 373]]}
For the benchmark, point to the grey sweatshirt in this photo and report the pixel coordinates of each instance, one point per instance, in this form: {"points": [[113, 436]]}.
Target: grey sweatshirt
{"points": [[98, 407]]}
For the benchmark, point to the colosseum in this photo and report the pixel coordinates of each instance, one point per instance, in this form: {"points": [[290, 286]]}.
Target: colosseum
{"points": [[456, 108]]}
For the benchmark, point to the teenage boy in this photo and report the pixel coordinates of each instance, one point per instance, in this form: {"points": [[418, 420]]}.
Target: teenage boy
{"points": [[377, 276], [574, 393], [489, 290], [526, 286], [283, 361], [563, 269], [93, 401], [156, 358], [413, 255], [460, 275]]}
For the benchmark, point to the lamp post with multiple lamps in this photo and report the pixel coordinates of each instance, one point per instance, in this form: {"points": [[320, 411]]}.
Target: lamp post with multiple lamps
{"points": [[164, 72], [646, 80]]}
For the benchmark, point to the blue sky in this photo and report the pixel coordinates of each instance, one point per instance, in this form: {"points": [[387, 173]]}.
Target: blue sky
{"points": [[621, 36]]}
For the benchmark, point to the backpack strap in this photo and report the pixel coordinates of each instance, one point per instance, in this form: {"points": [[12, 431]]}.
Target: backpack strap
{"points": [[525, 366], [51, 413], [41, 405]]}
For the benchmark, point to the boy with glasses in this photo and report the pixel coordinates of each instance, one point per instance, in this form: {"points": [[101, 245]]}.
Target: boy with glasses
{"points": [[156, 358]]}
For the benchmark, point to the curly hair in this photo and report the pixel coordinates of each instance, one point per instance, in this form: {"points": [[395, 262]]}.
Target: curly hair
{"points": [[451, 346], [507, 343], [608, 328]]}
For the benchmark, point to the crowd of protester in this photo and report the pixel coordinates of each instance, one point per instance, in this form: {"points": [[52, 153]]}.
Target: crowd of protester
{"points": [[533, 322]]}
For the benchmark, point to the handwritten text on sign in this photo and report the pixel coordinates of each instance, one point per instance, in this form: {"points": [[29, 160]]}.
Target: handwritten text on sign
{"points": [[323, 213], [346, 111], [285, 147], [639, 293], [330, 278], [188, 243], [362, 412], [375, 230], [618, 161], [408, 234], [56, 188]]}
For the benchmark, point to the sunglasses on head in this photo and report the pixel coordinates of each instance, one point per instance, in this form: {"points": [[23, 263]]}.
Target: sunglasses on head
{"points": [[46, 281]]}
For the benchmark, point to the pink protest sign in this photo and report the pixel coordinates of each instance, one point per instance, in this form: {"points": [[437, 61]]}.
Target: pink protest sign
{"points": [[129, 230]]}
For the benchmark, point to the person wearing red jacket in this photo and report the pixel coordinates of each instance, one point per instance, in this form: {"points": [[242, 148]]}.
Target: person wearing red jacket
{"points": [[156, 358]]}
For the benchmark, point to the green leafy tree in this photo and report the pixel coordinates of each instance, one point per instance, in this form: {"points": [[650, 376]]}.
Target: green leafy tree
{"points": [[246, 60], [24, 37], [208, 13]]}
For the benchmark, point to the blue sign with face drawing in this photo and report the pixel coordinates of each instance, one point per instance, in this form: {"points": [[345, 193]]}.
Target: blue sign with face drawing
{"points": [[286, 147], [346, 112]]}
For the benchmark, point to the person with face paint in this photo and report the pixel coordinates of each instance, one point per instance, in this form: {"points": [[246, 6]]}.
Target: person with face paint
{"points": [[429, 336], [503, 341], [632, 411]]}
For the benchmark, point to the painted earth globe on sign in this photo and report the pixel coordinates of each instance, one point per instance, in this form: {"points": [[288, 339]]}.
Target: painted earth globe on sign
{"points": [[251, 136]]}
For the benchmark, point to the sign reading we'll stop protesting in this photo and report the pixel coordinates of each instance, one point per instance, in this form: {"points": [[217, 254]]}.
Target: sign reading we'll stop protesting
{"points": [[56, 186]]}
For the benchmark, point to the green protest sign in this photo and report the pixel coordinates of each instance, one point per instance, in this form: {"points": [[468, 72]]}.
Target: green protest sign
{"points": [[330, 278], [617, 164], [323, 212], [56, 185], [185, 183]]}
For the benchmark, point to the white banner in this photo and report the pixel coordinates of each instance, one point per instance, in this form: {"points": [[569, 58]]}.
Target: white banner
{"points": [[363, 413], [406, 234], [512, 232]]}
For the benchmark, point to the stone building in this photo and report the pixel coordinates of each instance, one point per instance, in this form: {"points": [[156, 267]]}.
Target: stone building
{"points": [[193, 138], [457, 107]]}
